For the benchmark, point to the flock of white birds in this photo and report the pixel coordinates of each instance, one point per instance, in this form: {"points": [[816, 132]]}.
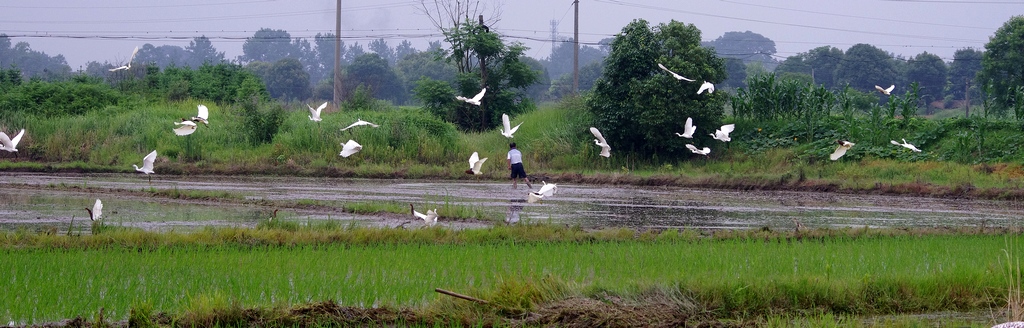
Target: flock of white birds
{"points": [[188, 126]]}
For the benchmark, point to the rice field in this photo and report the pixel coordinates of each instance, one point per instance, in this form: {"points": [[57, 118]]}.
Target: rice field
{"points": [[733, 277]]}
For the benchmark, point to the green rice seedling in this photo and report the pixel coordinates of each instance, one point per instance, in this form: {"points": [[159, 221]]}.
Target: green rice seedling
{"points": [[729, 277]]}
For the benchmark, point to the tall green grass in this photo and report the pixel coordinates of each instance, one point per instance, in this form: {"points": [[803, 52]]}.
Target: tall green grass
{"points": [[730, 277]]}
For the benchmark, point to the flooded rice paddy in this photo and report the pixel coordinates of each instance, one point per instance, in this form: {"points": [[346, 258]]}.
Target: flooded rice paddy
{"points": [[52, 201]]}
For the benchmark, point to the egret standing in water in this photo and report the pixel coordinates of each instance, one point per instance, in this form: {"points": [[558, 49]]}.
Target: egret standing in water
{"points": [[430, 218], [96, 211]]}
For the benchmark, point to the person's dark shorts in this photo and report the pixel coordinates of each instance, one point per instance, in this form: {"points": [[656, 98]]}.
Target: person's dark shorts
{"points": [[518, 171]]}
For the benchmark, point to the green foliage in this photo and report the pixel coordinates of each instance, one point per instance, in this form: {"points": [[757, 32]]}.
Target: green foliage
{"points": [[373, 73], [222, 83], [863, 66], [928, 71], [58, 98], [287, 79], [636, 105], [362, 99], [506, 76], [1003, 63], [436, 97], [260, 120]]}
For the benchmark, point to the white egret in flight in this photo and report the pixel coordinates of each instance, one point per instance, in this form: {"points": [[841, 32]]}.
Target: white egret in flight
{"points": [[723, 133], [475, 163], [606, 150], [475, 100], [350, 147], [506, 129]]}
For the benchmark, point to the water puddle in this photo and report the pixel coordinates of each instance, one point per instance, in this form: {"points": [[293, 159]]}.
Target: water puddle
{"points": [[35, 201]]}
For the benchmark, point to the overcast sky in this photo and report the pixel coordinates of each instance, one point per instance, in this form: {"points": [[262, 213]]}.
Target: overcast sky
{"points": [[107, 30]]}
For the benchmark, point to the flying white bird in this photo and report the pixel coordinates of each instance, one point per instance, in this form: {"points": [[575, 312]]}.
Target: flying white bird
{"points": [[129, 64], [688, 129], [430, 218], [723, 133], [8, 144], [706, 86], [885, 91], [314, 114], [475, 163], [96, 211], [475, 100], [841, 150], [350, 147], [905, 144], [694, 149], [203, 116], [147, 163], [506, 129], [186, 128], [358, 123], [547, 190], [1011, 324], [606, 150], [677, 76]]}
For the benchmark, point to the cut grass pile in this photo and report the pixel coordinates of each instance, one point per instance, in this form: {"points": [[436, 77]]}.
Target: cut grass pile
{"points": [[736, 275]]}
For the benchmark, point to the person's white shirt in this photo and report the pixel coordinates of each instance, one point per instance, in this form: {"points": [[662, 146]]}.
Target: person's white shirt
{"points": [[514, 156]]}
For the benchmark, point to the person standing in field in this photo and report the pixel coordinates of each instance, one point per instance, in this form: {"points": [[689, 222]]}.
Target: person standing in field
{"points": [[515, 164]]}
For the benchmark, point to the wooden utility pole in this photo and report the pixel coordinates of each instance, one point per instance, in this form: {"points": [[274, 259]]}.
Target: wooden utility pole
{"points": [[483, 80], [337, 58], [576, 49], [967, 99]]}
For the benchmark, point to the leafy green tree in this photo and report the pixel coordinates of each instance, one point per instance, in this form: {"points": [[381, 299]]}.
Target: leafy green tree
{"points": [[404, 49], [201, 51], [736, 73], [746, 46], [160, 56], [503, 73], [323, 65], [637, 105], [286, 79], [962, 71], [416, 66], [1003, 63], [864, 66], [819, 63], [268, 45], [381, 48], [354, 51], [562, 87], [929, 71], [373, 72], [31, 63], [560, 61], [537, 91]]}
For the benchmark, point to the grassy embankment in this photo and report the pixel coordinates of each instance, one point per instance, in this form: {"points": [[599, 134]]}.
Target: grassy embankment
{"points": [[413, 144], [211, 276]]}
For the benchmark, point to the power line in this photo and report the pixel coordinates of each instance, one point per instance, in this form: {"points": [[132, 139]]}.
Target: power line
{"points": [[634, 5], [901, 21]]}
